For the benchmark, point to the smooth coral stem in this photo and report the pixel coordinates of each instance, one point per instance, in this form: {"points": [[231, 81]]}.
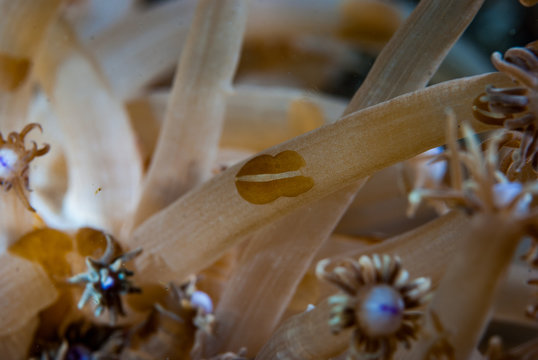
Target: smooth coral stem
{"points": [[462, 302], [199, 227], [99, 143], [419, 45], [189, 137]]}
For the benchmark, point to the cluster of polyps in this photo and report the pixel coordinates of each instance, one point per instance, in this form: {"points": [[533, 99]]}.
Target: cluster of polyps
{"points": [[502, 214], [291, 196]]}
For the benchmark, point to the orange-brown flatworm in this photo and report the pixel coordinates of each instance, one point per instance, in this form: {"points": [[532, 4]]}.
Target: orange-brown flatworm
{"points": [[265, 178]]}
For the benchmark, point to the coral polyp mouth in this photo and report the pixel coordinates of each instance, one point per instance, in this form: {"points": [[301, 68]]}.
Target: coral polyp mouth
{"points": [[380, 311], [8, 162]]}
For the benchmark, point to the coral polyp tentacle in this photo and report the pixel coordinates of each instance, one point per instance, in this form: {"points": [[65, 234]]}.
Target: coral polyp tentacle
{"points": [[515, 108]]}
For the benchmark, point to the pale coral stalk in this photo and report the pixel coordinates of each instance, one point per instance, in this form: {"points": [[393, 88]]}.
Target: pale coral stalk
{"points": [[103, 161], [188, 140], [15, 345], [89, 18], [143, 46], [49, 178], [274, 114], [463, 300], [420, 49], [365, 22], [194, 231], [306, 336], [288, 18], [425, 251], [514, 295], [15, 221], [25, 289], [310, 290]]}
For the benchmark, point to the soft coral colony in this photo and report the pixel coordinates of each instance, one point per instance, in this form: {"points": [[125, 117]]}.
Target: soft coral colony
{"points": [[198, 221]]}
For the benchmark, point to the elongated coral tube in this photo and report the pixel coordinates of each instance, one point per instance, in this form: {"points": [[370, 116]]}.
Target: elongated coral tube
{"points": [[188, 140], [193, 232], [464, 297], [439, 24]]}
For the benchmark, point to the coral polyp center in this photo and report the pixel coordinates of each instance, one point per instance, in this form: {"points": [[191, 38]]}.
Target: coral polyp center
{"points": [[8, 162], [15, 159], [380, 312]]}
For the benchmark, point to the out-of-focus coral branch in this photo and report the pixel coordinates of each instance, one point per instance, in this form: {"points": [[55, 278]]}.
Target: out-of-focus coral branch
{"points": [[23, 28], [189, 137], [419, 57], [192, 232], [99, 142], [25, 290], [144, 45]]}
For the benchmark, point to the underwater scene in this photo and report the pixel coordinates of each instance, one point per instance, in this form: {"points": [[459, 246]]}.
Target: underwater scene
{"points": [[269, 179]]}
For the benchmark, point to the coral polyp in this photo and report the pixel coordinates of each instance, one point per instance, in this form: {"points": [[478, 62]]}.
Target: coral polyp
{"points": [[15, 161], [107, 280], [379, 301]]}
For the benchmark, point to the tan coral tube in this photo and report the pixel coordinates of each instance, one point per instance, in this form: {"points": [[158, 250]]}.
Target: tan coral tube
{"points": [[189, 137], [256, 118], [15, 345], [463, 300], [16, 219], [25, 289], [143, 46], [198, 228], [103, 161], [419, 48]]}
